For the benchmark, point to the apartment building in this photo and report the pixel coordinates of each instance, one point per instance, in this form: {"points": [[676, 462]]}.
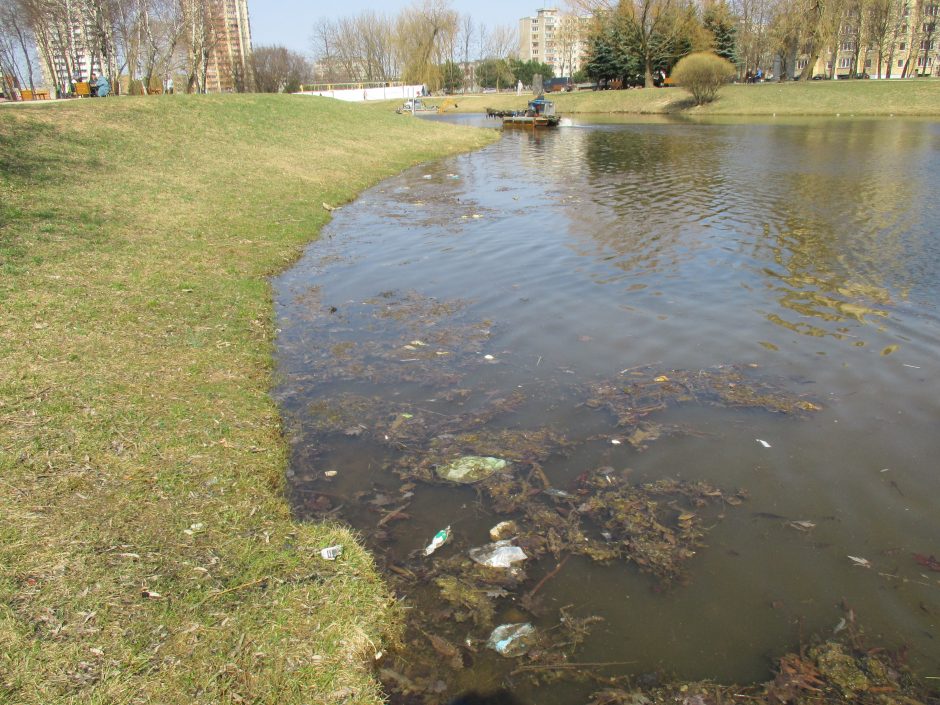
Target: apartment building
{"points": [[911, 48], [231, 48], [556, 38], [64, 49]]}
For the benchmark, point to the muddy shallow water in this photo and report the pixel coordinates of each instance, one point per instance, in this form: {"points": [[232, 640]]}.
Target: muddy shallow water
{"points": [[503, 301]]}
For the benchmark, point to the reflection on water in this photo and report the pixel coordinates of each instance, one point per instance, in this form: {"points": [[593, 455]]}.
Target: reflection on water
{"points": [[803, 251]]}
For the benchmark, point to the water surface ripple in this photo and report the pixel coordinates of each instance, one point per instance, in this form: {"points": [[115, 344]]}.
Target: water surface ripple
{"points": [[806, 249]]}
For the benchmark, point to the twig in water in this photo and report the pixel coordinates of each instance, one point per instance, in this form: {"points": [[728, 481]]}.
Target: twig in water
{"points": [[548, 576], [640, 367], [563, 666], [392, 514]]}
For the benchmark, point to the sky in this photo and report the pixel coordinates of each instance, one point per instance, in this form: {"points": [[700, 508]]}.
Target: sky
{"points": [[290, 22]]}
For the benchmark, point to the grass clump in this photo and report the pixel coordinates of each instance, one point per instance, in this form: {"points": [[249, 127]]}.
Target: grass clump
{"points": [[146, 552], [702, 74]]}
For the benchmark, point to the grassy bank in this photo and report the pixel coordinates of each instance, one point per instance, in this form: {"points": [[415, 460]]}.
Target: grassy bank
{"points": [[921, 97], [146, 551]]}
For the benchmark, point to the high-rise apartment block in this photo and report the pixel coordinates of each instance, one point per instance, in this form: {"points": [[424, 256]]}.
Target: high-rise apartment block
{"points": [[64, 49], [556, 38], [231, 47]]}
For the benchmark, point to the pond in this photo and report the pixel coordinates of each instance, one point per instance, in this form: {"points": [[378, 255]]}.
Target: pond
{"points": [[707, 352]]}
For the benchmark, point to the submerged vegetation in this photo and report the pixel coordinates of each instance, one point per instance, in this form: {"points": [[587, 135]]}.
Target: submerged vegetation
{"points": [[826, 672], [475, 603]]}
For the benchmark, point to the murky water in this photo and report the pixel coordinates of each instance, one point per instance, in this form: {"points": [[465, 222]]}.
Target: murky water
{"points": [[804, 252]]}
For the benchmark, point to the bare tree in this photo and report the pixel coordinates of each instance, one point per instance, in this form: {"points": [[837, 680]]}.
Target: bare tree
{"points": [[883, 26], [754, 40], [276, 69], [567, 42], [466, 32], [503, 42], [425, 34], [15, 42], [200, 41], [654, 29], [787, 34]]}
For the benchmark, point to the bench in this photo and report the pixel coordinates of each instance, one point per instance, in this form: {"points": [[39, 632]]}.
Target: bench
{"points": [[26, 94], [40, 94], [83, 89]]}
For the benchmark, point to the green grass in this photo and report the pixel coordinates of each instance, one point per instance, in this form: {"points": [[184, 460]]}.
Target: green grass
{"points": [[140, 451], [872, 97]]}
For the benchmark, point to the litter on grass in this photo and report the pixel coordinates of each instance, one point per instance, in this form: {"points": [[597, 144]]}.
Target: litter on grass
{"points": [[331, 553]]}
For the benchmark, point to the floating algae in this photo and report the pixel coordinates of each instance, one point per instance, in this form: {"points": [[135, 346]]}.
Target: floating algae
{"points": [[831, 673], [648, 391], [470, 440], [425, 341]]}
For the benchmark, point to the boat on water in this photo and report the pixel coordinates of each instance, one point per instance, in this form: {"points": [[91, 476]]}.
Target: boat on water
{"points": [[416, 105], [540, 113]]}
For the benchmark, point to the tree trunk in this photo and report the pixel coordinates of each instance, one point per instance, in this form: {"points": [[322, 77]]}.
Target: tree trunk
{"points": [[25, 48]]}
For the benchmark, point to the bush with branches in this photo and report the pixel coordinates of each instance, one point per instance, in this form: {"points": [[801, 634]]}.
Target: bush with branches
{"points": [[702, 74]]}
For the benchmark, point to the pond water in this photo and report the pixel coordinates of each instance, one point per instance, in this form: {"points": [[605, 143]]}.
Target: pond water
{"points": [[512, 295]]}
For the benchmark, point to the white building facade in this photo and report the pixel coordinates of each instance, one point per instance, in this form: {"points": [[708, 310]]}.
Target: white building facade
{"points": [[556, 38]]}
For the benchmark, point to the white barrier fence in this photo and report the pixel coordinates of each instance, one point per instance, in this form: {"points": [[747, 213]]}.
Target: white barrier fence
{"points": [[365, 91]]}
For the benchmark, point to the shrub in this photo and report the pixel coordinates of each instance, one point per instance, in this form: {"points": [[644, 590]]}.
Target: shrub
{"points": [[702, 74]]}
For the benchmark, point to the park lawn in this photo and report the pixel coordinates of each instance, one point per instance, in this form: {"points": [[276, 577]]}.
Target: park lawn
{"points": [[147, 553], [862, 97]]}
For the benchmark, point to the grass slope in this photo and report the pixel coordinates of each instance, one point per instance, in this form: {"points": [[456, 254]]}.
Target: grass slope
{"points": [[920, 97], [146, 552]]}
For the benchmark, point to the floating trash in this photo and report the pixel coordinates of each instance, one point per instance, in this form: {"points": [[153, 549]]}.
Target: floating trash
{"points": [[471, 468], [440, 538], [512, 640], [503, 530], [861, 562], [501, 554], [763, 443]]}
